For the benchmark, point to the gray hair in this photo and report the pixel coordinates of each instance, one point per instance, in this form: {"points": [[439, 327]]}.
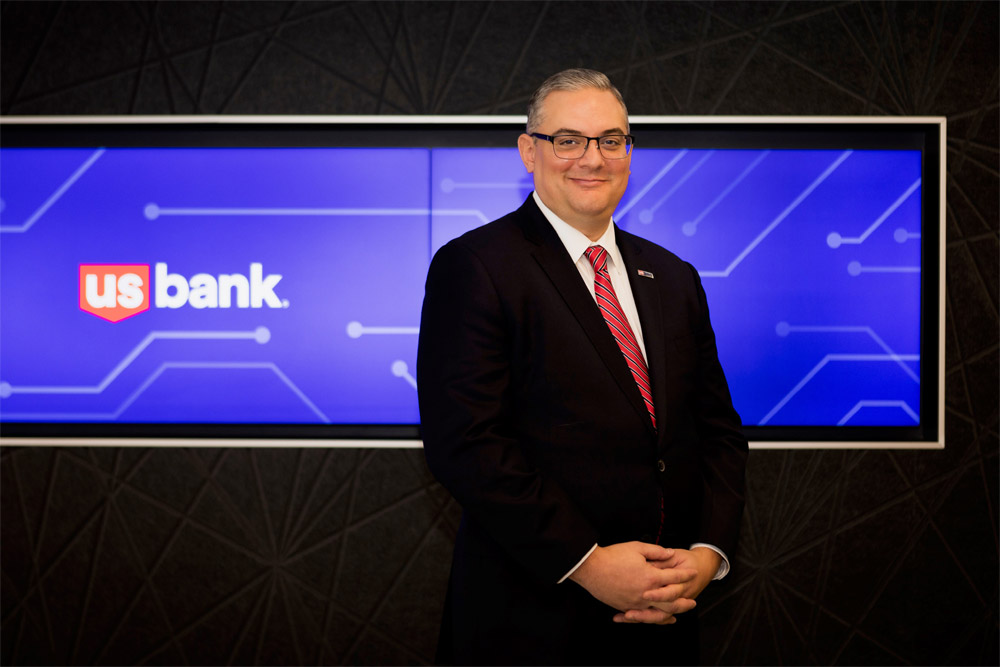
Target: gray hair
{"points": [[570, 80]]}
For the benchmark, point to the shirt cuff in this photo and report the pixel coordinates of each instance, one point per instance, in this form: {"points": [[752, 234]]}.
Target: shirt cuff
{"points": [[723, 566], [575, 567]]}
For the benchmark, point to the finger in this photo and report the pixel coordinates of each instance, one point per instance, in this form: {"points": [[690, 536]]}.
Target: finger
{"points": [[667, 577], [665, 593], [654, 551], [675, 575], [622, 618], [651, 615], [678, 606], [673, 561]]}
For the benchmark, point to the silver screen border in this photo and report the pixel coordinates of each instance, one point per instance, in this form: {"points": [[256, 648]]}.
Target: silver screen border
{"points": [[389, 120]]}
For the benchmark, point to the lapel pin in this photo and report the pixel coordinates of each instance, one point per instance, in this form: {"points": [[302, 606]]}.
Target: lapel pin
{"points": [[644, 274]]}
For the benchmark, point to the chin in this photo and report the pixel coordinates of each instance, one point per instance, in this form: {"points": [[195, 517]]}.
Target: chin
{"points": [[593, 205]]}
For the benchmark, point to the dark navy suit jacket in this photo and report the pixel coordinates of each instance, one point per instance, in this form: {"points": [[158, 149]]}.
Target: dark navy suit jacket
{"points": [[532, 420]]}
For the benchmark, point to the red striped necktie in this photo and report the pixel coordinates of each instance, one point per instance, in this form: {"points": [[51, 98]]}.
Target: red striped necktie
{"points": [[619, 326]]}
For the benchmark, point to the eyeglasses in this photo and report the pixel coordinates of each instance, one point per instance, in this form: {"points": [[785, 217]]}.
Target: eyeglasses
{"points": [[573, 146]]}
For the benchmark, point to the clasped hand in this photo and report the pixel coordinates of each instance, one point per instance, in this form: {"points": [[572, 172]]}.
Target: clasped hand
{"points": [[645, 582]]}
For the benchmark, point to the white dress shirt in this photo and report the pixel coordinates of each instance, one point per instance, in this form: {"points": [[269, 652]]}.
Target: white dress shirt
{"points": [[576, 243]]}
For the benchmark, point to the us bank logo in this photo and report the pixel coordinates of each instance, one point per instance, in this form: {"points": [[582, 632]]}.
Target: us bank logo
{"points": [[115, 292]]}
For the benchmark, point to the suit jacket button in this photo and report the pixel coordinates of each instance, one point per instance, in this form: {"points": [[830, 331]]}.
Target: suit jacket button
{"points": [[661, 466]]}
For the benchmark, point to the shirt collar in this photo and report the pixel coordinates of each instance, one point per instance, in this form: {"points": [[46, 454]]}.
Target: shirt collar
{"points": [[575, 241]]}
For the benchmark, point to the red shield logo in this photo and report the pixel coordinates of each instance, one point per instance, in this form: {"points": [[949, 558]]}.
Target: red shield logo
{"points": [[114, 291]]}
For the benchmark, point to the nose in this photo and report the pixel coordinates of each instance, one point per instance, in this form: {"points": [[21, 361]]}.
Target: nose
{"points": [[591, 156]]}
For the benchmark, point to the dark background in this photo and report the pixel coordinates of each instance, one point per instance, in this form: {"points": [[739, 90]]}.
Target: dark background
{"points": [[303, 556]]}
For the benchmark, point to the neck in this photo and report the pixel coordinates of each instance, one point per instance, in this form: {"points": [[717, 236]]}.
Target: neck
{"points": [[593, 230]]}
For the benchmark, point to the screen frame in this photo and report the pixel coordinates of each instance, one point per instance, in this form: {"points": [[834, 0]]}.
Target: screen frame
{"points": [[501, 131]]}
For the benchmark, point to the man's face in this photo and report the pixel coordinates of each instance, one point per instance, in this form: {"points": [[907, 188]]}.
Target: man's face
{"points": [[583, 192]]}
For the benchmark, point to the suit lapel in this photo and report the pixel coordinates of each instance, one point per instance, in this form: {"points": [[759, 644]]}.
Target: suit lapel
{"points": [[555, 262]]}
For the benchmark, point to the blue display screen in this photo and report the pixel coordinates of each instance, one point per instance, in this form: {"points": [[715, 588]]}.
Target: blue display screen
{"points": [[284, 285]]}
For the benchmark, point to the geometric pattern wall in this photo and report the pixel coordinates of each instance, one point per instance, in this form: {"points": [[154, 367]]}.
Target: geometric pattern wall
{"points": [[338, 556]]}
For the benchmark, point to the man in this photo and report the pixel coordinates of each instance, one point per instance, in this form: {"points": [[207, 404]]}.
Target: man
{"points": [[599, 463]]}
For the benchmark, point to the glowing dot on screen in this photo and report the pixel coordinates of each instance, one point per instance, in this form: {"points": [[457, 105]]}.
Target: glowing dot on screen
{"points": [[399, 368], [5, 390], [783, 329], [833, 240], [355, 329], [689, 229], [854, 268], [152, 211], [262, 335], [285, 303], [447, 185], [900, 235], [645, 216]]}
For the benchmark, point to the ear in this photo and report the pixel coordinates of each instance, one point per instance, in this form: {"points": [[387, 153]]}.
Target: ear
{"points": [[526, 147]]}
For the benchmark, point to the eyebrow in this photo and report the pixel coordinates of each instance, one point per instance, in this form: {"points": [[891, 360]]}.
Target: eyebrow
{"points": [[566, 130]]}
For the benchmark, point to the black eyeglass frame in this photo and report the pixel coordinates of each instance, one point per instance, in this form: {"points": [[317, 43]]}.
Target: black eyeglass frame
{"points": [[629, 144]]}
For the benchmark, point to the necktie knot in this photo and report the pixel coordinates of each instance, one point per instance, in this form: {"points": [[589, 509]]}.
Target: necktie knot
{"points": [[598, 257]]}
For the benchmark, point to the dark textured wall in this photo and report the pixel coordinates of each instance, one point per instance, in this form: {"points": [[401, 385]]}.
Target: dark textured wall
{"points": [[301, 556]]}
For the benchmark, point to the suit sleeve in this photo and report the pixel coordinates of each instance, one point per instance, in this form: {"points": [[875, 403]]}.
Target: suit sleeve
{"points": [[723, 447], [470, 440]]}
